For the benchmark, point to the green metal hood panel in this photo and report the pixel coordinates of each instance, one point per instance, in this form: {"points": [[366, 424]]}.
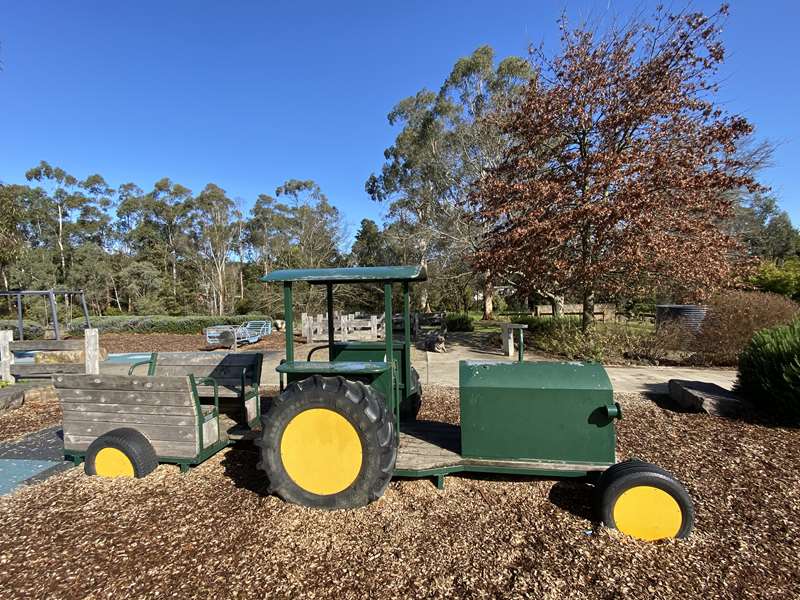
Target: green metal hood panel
{"points": [[350, 274], [537, 411], [535, 375]]}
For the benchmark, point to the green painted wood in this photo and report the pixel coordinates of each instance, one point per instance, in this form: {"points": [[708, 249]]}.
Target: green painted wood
{"points": [[536, 412], [349, 274]]}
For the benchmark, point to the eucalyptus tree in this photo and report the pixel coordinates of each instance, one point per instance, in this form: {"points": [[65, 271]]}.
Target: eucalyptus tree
{"points": [[444, 147]]}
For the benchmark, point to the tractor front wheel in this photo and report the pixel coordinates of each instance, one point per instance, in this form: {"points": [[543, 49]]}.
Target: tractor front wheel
{"points": [[328, 442], [644, 501]]}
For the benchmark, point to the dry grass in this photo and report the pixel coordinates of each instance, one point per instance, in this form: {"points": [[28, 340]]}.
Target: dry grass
{"points": [[213, 532]]}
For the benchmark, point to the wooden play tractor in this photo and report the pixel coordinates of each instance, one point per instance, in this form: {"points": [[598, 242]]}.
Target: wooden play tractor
{"points": [[343, 427]]}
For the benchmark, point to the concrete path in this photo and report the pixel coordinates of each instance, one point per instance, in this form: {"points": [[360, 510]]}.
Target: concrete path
{"points": [[442, 369]]}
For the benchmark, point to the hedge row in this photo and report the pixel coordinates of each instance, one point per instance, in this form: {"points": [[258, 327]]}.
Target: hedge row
{"points": [[139, 324]]}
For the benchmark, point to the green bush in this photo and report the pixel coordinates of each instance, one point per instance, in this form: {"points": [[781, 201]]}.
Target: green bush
{"points": [[191, 324], [30, 329], [769, 371], [459, 322]]}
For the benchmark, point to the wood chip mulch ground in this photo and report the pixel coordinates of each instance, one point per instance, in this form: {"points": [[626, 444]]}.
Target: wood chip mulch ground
{"points": [[214, 533], [171, 342], [33, 415]]}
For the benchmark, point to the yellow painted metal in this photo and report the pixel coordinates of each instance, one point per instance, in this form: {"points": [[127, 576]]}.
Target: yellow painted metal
{"points": [[648, 513], [110, 462], [321, 451]]}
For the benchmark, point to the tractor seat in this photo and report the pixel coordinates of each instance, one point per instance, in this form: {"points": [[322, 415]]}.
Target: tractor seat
{"points": [[318, 367]]}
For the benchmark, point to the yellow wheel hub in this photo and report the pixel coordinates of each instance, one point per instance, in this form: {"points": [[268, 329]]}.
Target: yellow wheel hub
{"points": [[110, 462], [321, 451], [648, 513]]}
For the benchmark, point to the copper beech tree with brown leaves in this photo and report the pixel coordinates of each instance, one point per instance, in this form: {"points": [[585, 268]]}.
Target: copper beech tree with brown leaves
{"points": [[620, 166]]}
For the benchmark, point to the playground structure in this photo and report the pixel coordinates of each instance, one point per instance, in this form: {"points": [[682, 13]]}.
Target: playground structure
{"points": [[342, 428], [233, 336], [20, 295], [11, 372]]}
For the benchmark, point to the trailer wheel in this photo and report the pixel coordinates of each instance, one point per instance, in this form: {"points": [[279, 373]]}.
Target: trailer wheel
{"points": [[409, 408], [645, 502], [121, 452], [328, 442]]}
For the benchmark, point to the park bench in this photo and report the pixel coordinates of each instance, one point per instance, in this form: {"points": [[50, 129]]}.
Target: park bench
{"points": [[166, 410], [231, 380]]}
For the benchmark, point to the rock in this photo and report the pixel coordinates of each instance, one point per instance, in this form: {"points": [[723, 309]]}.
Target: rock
{"points": [[434, 342], [11, 397], [706, 397], [64, 356]]}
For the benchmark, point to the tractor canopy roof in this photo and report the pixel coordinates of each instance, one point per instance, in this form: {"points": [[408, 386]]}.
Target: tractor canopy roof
{"points": [[350, 274]]}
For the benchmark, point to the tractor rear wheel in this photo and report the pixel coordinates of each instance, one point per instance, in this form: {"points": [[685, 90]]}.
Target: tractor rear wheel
{"points": [[328, 442], [645, 502]]}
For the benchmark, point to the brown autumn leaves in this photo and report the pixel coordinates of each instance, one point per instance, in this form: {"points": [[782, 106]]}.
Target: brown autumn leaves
{"points": [[620, 167]]}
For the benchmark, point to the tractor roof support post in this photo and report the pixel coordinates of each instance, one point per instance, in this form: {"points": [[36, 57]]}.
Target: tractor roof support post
{"points": [[407, 338], [288, 316], [387, 301], [329, 299], [20, 326]]}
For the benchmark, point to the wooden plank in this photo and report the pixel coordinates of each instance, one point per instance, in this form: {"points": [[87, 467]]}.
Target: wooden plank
{"points": [[207, 391], [133, 409], [161, 433], [91, 351], [30, 345], [122, 383], [219, 373], [6, 356], [226, 359], [77, 416], [127, 398], [46, 369], [80, 443]]}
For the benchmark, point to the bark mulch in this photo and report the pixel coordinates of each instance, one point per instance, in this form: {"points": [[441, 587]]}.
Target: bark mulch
{"points": [[171, 342], [33, 415], [215, 533]]}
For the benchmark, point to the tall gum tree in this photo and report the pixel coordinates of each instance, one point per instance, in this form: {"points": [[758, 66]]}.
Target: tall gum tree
{"points": [[620, 164]]}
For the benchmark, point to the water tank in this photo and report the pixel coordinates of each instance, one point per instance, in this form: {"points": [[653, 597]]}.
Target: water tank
{"points": [[691, 315]]}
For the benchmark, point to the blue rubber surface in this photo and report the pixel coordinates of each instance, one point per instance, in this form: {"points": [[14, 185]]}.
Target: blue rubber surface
{"points": [[33, 458], [16, 471]]}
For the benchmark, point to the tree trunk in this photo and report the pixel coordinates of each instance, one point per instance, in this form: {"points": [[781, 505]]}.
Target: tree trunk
{"points": [[588, 309], [488, 297], [60, 240], [557, 303]]}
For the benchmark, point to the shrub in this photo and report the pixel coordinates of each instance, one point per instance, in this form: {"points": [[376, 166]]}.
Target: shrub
{"points": [[733, 317], [30, 329], [459, 322], [191, 324], [769, 371]]}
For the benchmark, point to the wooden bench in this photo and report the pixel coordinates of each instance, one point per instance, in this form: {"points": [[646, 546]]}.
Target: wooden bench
{"points": [[166, 410], [237, 377]]}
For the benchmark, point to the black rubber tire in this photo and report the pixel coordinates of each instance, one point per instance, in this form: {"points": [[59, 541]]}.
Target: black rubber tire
{"points": [[366, 411], [623, 476], [410, 407], [129, 441]]}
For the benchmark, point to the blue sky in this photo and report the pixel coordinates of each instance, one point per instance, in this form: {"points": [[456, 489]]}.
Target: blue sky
{"points": [[249, 94]]}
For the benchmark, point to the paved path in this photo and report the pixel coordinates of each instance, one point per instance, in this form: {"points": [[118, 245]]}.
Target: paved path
{"points": [[442, 369]]}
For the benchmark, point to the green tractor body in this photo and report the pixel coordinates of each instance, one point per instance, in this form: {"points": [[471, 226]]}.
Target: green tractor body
{"points": [[343, 427]]}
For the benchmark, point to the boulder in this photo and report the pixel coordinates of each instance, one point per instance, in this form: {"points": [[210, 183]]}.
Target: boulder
{"points": [[701, 396]]}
